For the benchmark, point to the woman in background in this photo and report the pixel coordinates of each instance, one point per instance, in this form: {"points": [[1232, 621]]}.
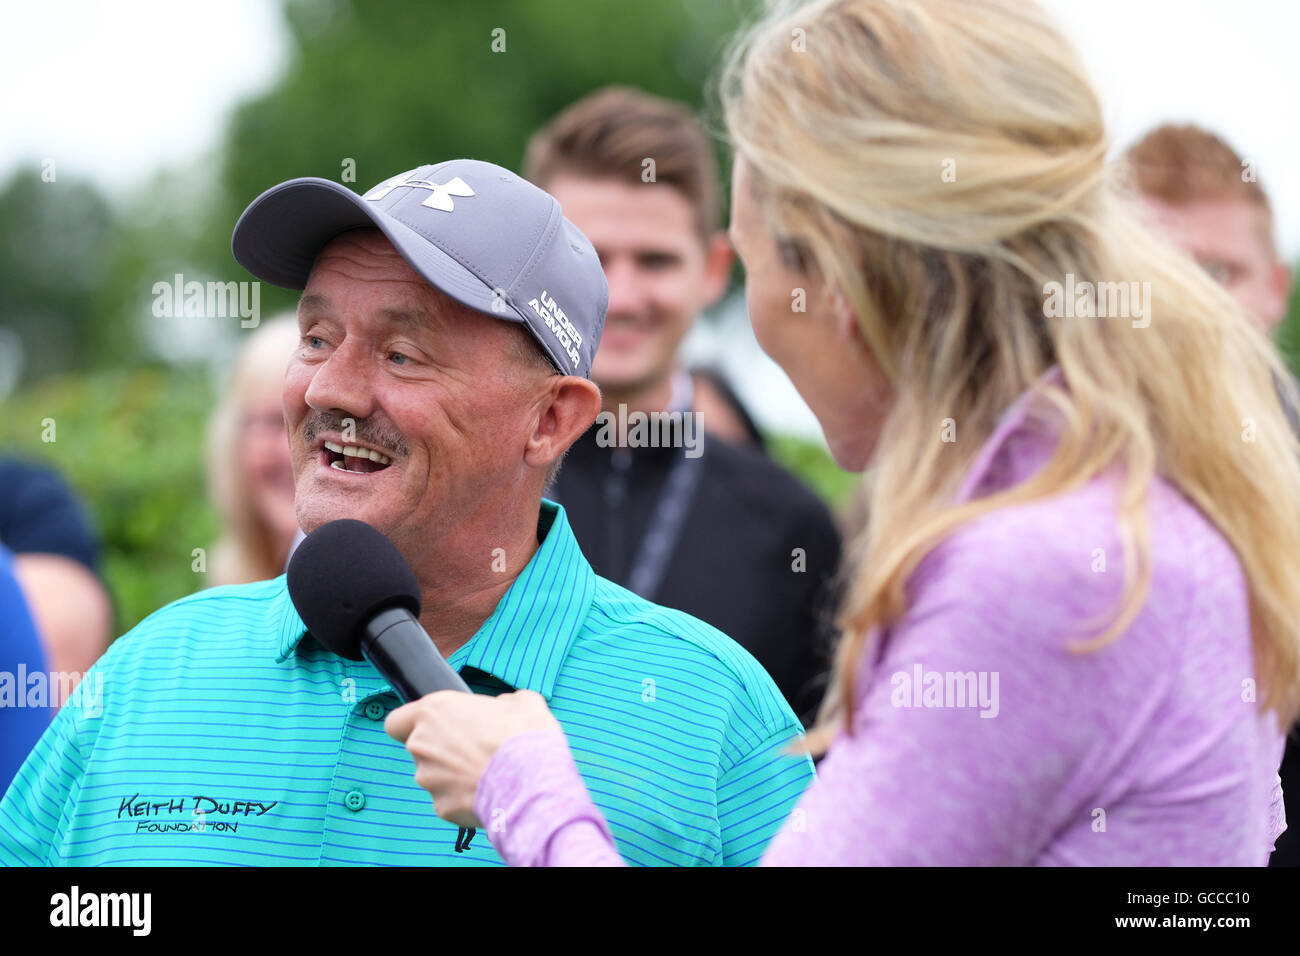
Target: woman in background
{"points": [[250, 473], [1070, 635]]}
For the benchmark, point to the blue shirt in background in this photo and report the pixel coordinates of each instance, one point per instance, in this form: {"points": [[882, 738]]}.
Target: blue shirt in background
{"points": [[21, 725]]}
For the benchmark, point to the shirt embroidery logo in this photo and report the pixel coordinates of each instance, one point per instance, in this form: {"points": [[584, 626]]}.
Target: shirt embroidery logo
{"points": [[198, 814], [466, 834]]}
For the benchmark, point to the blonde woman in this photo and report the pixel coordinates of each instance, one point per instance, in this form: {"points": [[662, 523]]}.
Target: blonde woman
{"points": [[1071, 634], [250, 475]]}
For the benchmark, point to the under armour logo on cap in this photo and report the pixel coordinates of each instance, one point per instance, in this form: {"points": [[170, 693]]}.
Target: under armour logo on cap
{"points": [[438, 198]]}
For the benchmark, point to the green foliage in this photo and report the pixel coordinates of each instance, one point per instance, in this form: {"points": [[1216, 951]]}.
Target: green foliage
{"points": [[394, 84], [54, 255], [1288, 331], [131, 445], [815, 467]]}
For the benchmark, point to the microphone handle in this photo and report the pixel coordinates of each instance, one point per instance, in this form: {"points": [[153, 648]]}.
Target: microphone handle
{"points": [[403, 652]]}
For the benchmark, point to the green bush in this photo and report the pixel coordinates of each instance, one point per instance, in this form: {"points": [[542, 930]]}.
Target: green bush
{"points": [[814, 465], [131, 445]]}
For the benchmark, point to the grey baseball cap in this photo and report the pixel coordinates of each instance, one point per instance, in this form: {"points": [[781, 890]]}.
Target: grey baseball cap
{"points": [[482, 235]]}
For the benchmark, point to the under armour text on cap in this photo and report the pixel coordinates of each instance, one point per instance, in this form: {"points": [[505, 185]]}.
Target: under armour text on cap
{"points": [[487, 238]]}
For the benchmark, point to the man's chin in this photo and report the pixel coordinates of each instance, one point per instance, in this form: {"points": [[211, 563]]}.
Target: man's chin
{"points": [[628, 378], [314, 513]]}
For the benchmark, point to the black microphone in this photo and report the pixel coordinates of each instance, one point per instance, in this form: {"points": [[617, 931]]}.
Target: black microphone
{"points": [[359, 597]]}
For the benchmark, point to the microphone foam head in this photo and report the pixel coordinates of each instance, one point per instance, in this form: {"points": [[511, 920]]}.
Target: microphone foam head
{"points": [[341, 575]]}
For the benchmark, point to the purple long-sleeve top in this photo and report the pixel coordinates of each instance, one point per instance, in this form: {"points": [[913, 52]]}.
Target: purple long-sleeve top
{"points": [[979, 737]]}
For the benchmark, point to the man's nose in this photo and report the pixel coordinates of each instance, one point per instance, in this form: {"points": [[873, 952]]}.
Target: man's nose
{"points": [[627, 291], [342, 382]]}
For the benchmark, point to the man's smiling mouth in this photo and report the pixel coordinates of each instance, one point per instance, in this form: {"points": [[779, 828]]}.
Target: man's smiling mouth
{"points": [[354, 459]]}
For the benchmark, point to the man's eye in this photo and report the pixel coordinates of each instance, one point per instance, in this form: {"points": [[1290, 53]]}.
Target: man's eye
{"points": [[399, 358], [1221, 272], [315, 342]]}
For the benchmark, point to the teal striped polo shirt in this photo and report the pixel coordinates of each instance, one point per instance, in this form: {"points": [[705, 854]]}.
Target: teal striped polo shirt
{"points": [[223, 733]]}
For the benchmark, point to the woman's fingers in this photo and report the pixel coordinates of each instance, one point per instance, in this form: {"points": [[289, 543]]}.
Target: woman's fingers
{"points": [[452, 736]]}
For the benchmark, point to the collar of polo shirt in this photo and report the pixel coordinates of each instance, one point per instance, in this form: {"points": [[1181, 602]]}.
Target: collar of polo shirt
{"points": [[526, 638]]}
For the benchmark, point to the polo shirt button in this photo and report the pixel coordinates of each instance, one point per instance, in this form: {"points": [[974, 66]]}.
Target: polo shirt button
{"points": [[374, 710], [355, 800]]}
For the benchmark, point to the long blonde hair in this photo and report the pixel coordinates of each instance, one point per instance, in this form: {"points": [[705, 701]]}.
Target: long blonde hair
{"points": [[941, 162], [249, 549]]}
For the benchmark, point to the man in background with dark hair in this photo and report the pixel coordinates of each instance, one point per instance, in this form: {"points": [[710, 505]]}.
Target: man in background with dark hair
{"points": [[1198, 192], [714, 529]]}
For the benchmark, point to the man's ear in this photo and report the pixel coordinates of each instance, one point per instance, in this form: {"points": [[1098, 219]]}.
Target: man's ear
{"points": [[1280, 287], [718, 257], [566, 411]]}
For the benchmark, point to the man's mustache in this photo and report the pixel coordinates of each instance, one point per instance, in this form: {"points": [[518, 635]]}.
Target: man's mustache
{"points": [[365, 430]]}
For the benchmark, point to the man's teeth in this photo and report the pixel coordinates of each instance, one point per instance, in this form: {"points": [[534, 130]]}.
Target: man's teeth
{"points": [[354, 452]]}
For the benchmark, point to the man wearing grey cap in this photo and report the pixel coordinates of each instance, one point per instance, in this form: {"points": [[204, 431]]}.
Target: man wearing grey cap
{"points": [[448, 317]]}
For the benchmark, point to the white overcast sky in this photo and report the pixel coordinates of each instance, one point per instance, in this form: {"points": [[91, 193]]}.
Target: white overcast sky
{"points": [[114, 90]]}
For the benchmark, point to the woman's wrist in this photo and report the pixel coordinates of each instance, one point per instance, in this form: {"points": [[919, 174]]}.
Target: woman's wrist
{"points": [[512, 768], [529, 791]]}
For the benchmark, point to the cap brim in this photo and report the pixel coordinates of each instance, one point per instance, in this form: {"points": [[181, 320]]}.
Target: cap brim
{"points": [[282, 231]]}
